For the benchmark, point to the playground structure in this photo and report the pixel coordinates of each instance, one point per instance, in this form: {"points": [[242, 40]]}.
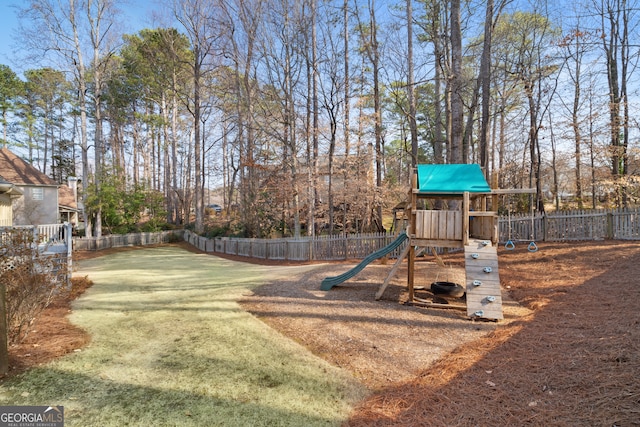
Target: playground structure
{"points": [[449, 207]]}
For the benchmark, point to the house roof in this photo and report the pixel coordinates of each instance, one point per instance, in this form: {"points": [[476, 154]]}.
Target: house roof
{"points": [[16, 171], [8, 188], [66, 198], [451, 179]]}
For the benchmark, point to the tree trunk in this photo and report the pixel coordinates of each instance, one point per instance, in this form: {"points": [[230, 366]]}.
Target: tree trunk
{"points": [[575, 121], [375, 62], [485, 79], [413, 127], [457, 105]]}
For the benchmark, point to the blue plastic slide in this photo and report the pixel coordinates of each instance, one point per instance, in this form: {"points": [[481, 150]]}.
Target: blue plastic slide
{"points": [[330, 282]]}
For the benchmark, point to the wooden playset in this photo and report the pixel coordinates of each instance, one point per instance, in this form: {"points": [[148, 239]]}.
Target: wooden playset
{"points": [[450, 206]]}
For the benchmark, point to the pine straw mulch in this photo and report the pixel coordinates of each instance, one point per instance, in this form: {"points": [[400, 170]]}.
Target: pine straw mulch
{"points": [[574, 362], [51, 335], [567, 353]]}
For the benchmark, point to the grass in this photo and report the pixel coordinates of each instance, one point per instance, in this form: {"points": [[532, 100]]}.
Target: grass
{"points": [[172, 347]]}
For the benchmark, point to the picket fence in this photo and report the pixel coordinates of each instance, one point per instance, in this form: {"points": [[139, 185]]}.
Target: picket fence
{"points": [[320, 248], [563, 226], [619, 224], [121, 240]]}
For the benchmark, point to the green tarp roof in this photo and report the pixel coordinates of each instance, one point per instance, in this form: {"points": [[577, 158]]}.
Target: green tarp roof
{"points": [[452, 179]]}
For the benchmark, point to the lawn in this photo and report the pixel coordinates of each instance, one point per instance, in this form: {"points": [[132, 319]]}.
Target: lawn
{"points": [[170, 346]]}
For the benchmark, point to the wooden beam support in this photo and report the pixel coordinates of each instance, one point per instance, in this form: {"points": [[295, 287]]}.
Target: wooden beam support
{"points": [[465, 218], [392, 273]]}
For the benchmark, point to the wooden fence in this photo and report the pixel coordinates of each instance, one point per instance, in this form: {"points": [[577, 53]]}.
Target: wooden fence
{"points": [[620, 224], [321, 248], [121, 240]]}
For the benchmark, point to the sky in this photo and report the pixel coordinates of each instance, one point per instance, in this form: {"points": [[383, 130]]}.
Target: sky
{"points": [[137, 16]]}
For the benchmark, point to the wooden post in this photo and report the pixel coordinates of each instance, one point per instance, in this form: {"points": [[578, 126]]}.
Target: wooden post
{"points": [[69, 242], [465, 218], [494, 207], [410, 267], [411, 261], [4, 332]]}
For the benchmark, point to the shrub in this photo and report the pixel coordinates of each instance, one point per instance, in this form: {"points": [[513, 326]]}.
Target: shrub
{"points": [[174, 238], [28, 278]]}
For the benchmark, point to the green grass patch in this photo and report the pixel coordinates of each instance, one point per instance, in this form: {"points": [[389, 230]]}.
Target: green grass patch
{"points": [[171, 347]]}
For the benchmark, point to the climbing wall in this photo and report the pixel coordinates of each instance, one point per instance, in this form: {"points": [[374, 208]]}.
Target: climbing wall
{"points": [[484, 299]]}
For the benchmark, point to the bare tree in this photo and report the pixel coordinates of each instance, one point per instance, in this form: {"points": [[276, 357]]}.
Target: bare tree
{"points": [[59, 28], [434, 25], [575, 48], [616, 23], [101, 16], [523, 39], [204, 28], [456, 83], [413, 127], [371, 48]]}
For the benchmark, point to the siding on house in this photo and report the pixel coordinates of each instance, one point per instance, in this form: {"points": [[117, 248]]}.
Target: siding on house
{"points": [[41, 209], [6, 213], [39, 203]]}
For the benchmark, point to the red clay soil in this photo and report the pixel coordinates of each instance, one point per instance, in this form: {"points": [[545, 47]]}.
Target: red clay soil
{"points": [[574, 361]]}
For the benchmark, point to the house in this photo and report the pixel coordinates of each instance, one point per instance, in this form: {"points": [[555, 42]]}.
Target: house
{"points": [[8, 193], [68, 205], [40, 201]]}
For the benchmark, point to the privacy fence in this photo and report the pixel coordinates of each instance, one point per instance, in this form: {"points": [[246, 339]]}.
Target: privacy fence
{"points": [[620, 224]]}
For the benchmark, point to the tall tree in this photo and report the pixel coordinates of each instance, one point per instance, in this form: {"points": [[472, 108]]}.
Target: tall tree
{"points": [[485, 83], [413, 127], [575, 46], [523, 40], [371, 49], [56, 28], [202, 22], [10, 88], [433, 25], [101, 15], [65, 32], [616, 24], [155, 62], [47, 96], [244, 18], [456, 87]]}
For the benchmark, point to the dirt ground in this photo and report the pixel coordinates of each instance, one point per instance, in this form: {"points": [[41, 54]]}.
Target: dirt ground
{"points": [[566, 354]]}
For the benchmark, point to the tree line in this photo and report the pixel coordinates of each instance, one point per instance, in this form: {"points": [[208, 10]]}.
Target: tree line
{"points": [[307, 116]]}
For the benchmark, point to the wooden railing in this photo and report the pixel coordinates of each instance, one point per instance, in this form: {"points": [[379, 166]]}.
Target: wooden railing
{"points": [[53, 242], [48, 233]]}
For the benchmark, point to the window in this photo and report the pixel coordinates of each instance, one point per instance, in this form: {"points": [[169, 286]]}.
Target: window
{"points": [[37, 193]]}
